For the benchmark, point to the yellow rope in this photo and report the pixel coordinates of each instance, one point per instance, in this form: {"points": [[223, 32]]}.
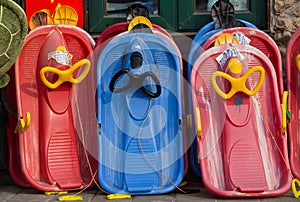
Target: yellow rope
{"points": [[271, 133], [273, 138], [147, 158], [85, 150], [140, 131]]}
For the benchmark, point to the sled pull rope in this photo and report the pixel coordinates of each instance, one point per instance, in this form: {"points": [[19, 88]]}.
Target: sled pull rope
{"points": [[141, 146], [294, 181], [93, 174], [145, 155]]}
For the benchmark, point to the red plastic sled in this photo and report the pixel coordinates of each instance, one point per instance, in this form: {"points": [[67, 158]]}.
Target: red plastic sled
{"points": [[259, 40], [293, 82], [13, 139], [120, 27], [241, 139], [53, 135]]}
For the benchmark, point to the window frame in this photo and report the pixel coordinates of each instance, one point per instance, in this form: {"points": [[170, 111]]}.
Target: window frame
{"points": [[98, 22], [191, 20], [175, 15]]}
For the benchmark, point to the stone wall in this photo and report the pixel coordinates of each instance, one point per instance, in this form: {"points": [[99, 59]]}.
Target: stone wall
{"points": [[285, 19]]}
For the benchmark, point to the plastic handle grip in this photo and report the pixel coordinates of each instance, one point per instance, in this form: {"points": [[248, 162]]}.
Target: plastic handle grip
{"points": [[135, 80], [139, 20], [294, 189], [65, 75], [284, 111], [25, 124], [298, 62], [198, 119], [238, 84]]}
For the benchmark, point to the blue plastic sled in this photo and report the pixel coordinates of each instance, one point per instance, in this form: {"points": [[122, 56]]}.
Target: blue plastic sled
{"points": [[140, 115]]}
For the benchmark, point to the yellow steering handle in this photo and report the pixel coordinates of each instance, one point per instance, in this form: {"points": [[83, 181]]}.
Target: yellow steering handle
{"points": [[65, 75], [238, 84]]}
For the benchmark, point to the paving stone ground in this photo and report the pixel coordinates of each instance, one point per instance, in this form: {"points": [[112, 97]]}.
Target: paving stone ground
{"points": [[9, 192]]}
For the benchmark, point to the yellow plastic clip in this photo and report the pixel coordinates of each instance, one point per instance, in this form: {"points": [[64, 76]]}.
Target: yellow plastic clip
{"points": [[25, 125], [226, 38], [238, 84], [198, 119], [139, 20], [118, 196], [49, 193], [294, 189], [298, 62], [70, 198], [284, 111], [65, 75]]}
